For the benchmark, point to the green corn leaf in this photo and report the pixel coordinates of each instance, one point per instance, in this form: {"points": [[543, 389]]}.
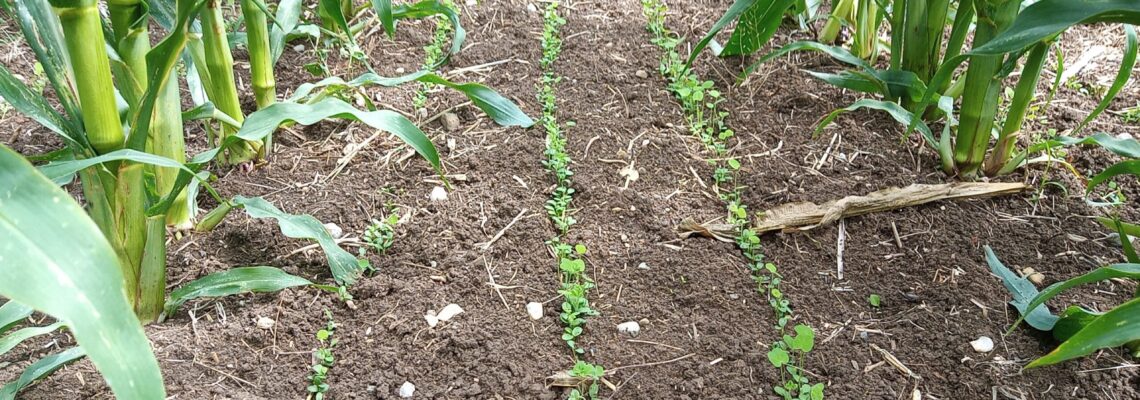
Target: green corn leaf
{"points": [[848, 80], [331, 9], [233, 281], [1124, 146], [1124, 229], [76, 277], [160, 63], [755, 27], [894, 109], [13, 339], [1122, 76], [1131, 271], [39, 369], [1072, 321], [428, 8], [1130, 167], [285, 21], [1047, 18], [42, 33], [12, 313], [383, 9], [838, 53], [1114, 328], [1126, 242], [738, 7], [1023, 292], [503, 111], [268, 119], [344, 266], [207, 110], [34, 106]]}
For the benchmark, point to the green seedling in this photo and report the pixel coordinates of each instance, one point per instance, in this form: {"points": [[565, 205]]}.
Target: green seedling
{"points": [[380, 234], [875, 300], [323, 360], [593, 372], [699, 99], [434, 54]]}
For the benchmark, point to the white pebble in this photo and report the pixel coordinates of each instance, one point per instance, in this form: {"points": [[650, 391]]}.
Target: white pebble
{"points": [[530, 7], [983, 345], [334, 230], [407, 389], [472, 2], [534, 310], [265, 323], [643, 266], [631, 327], [299, 48], [449, 311], [400, 70], [438, 193]]}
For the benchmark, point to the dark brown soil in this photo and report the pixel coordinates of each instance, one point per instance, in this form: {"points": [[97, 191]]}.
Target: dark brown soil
{"points": [[698, 306]]}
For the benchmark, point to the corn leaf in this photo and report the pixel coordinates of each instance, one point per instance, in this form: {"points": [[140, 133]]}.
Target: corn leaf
{"points": [[755, 27], [1123, 146], [1130, 167], [11, 340], [267, 120], [12, 313], [838, 53], [331, 9], [1122, 76], [231, 282], [427, 8], [1072, 321], [503, 111], [1125, 228], [76, 278], [34, 106], [42, 33], [733, 13], [160, 63], [39, 369], [1114, 328], [383, 10], [285, 21], [1023, 292], [893, 109], [1131, 271], [344, 266], [1046, 18]]}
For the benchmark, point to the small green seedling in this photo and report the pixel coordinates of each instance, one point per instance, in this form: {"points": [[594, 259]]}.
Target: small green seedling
{"points": [[323, 360], [875, 300], [584, 369], [380, 235]]}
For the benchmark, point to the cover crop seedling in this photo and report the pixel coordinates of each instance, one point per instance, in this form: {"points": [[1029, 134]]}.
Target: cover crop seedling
{"points": [[699, 100], [323, 360]]}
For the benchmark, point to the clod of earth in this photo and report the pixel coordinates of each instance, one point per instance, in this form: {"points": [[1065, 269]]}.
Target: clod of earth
{"points": [[808, 215], [450, 122]]}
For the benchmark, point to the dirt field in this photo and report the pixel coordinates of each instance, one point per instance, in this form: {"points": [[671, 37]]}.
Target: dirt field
{"points": [[704, 327]]}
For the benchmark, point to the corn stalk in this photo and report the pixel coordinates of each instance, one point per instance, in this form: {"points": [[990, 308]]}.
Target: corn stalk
{"points": [[221, 87], [983, 87]]}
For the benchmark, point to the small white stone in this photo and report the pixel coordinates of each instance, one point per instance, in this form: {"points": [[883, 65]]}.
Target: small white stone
{"points": [[631, 327], [643, 266], [641, 74], [438, 193], [400, 70], [299, 48], [265, 323], [334, 230], [983, 345], [431, 320], [534, 310], [530, 7], [407, 390], [472, 2]]}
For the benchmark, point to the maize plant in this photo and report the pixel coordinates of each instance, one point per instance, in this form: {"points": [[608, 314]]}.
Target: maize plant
{"points": [[923, 67]]}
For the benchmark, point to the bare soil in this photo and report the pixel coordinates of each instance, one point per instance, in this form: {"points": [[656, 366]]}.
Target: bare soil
{"points": [[705, 328]]}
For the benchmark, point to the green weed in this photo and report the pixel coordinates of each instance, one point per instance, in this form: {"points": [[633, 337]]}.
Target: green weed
{"points": [[586, 370], [380, 234], [434, 52]]}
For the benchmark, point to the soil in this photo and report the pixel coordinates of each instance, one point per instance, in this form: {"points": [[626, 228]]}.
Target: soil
{"points": [[705, 328]]}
